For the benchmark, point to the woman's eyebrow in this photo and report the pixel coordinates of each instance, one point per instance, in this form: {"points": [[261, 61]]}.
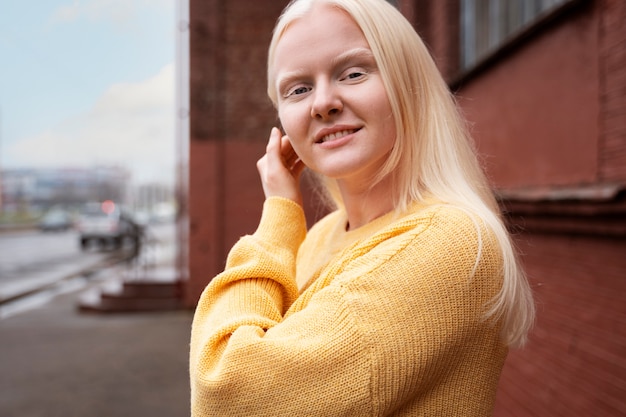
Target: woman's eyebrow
{"points": [[356, 53]]}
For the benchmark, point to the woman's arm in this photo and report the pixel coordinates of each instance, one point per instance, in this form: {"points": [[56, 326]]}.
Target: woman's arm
{"points": [[399, 314], [246, 359]]}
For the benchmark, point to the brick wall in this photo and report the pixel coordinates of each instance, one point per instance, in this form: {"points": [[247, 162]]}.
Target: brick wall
{"points": [[575, 361], [613, 90], [230, 120], [438, 25]]}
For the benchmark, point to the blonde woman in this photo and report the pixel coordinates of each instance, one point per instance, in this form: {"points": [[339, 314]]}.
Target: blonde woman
{"points": [[403, 301]]}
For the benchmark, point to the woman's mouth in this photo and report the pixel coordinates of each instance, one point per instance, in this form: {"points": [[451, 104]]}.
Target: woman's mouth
{"points": [[336, 135]]}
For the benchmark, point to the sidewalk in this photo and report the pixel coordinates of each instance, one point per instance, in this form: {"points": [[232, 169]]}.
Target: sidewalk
{"points": [[55, 361]]}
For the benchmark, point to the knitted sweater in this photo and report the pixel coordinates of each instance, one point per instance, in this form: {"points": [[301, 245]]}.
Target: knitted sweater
{"points": [[385, 320]]}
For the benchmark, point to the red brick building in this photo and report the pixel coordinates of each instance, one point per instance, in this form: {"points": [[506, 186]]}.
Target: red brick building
{"points": [[544, 85]]}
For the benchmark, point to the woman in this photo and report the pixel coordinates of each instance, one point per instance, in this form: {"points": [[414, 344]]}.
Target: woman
{"points": [[405, 299]]}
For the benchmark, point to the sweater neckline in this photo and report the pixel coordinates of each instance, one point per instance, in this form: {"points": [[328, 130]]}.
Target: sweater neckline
{"points": [[348, 237]]}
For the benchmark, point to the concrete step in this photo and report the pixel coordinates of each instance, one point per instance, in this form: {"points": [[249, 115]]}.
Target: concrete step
{"points": [[107, 304], [145, 289], [136, 295]]}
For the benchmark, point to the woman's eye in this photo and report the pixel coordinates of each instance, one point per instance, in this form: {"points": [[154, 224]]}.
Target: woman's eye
{"points": [[354, 74], [297, 91]]}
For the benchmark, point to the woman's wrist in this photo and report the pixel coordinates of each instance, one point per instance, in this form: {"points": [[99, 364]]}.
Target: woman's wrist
{"points": [[282, 222]]}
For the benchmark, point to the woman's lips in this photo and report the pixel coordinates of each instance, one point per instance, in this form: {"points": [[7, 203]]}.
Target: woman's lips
{"points": [[336, 135]]}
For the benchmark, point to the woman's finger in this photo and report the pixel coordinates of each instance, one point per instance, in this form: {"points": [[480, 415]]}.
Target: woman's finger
{"points": [[280, 168], [273, 149], [290, 156]]}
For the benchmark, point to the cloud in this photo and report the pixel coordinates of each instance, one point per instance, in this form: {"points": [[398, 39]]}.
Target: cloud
{"points": [[131, 124], [120, 12]]}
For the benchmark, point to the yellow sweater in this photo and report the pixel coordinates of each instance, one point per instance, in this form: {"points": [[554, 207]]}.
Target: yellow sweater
{"points": [[385, 320]]}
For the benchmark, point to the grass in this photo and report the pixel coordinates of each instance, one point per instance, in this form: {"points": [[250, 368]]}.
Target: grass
{"points": [[18, 218]]}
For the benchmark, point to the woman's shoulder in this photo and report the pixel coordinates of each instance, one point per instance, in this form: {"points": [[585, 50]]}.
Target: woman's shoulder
{"points": [[426, 238], [437, 219], [432, 226], [446, 218]]}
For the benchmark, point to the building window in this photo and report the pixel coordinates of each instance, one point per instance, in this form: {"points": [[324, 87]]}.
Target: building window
{"points": [[487, 25]]}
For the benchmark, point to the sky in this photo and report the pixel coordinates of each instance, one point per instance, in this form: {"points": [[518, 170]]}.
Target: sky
{"points": [[88, 83]]}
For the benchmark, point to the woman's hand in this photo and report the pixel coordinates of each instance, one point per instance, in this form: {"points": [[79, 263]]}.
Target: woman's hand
{"points": [[280, 168]]}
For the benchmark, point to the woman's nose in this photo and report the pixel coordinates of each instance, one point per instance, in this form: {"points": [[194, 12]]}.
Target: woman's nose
{"points": [[326, 102]]}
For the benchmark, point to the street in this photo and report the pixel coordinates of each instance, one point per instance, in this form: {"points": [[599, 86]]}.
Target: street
{"points": [[24, 252], [32, 260]]}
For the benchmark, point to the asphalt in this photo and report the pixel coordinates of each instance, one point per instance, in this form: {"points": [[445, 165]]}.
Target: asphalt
{"points": [[58, 361]]}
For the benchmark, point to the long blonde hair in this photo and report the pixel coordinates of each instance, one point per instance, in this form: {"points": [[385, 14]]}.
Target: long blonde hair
{"points": [[433, 154]]}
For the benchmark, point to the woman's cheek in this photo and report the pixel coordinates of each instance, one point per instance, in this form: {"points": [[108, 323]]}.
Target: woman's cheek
{"points": [[290, 126], [295, 126]]}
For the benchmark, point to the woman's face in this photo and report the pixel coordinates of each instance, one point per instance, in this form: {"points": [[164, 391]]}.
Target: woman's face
{"points": [[331, 99]]}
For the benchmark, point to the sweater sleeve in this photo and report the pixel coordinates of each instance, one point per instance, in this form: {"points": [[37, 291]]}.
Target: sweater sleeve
{"points": [[377, 330], [246, 359], [256, 287]]}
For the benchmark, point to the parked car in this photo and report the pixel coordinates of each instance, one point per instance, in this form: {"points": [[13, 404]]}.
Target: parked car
{"points": [[55, 220], [106, 224]]}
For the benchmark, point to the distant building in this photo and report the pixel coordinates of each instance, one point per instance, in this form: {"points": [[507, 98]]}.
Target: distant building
{"points": [[35, 190], [153, 200]]}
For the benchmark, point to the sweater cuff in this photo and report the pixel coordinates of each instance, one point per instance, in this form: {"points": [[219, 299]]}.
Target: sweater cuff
{"points": [[282, 223]]}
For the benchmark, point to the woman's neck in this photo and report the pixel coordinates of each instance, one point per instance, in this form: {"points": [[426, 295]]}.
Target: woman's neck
{"points": [[364, 204]]}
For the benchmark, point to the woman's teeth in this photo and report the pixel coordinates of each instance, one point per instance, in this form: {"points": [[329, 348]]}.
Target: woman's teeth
{"points": [[336, 135]]}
